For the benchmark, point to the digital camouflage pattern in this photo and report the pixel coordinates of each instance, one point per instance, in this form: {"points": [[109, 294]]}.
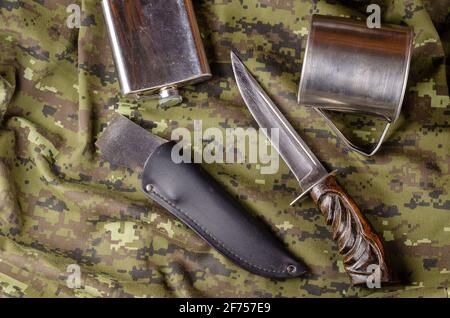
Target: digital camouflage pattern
{"points": [[60, 205]]}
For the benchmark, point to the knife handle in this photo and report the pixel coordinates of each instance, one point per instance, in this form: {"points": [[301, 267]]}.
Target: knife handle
{"points": [[357, 243]]}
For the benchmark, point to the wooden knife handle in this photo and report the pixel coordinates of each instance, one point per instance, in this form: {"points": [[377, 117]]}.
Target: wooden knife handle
{"points": [[360, 247]]}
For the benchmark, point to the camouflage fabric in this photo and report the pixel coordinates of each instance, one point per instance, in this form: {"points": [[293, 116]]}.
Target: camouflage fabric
{"points": [[60, 205]]}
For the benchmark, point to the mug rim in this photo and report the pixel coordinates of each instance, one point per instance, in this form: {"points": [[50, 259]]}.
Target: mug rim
{"points": [[406, 65]]}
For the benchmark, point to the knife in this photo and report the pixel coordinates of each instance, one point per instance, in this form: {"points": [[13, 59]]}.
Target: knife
{"points": [[196, 199], [361, 248]]}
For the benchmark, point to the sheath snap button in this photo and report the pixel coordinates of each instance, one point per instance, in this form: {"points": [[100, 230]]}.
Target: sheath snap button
{"points": [[148, 187], [291, 269]]}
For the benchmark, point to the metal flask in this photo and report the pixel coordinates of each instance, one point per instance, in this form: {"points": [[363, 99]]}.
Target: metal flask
{"points": [[349, 67], [157, 47]]}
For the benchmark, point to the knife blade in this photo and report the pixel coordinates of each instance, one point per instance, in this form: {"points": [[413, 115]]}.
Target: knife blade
{"points": [[300, 159], [361, 248]]}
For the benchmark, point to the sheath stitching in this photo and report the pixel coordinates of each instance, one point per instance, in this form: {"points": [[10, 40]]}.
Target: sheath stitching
{"points": [[213, 237]]}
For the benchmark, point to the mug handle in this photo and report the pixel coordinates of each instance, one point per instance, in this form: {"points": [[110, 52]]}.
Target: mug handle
{"points": [[363, 151]]}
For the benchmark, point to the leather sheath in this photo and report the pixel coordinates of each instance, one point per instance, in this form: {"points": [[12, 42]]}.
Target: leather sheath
{"points": [[193, 196]]}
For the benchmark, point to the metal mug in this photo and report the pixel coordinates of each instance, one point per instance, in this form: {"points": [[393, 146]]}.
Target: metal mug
{"points": [[349, 67], [157, 47]]}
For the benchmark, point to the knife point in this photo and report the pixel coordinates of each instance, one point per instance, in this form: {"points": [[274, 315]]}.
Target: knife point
{"points": [[235, 59]]}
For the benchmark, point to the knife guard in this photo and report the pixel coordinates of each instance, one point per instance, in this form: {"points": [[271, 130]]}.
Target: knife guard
{"points": [[194, 197]]}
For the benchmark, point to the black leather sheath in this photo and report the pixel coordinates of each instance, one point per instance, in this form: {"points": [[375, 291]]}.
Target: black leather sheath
{"points": [[193, 196]]}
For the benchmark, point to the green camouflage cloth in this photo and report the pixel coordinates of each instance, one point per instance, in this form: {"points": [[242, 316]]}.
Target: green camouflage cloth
{"points": [[61, 206]]}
